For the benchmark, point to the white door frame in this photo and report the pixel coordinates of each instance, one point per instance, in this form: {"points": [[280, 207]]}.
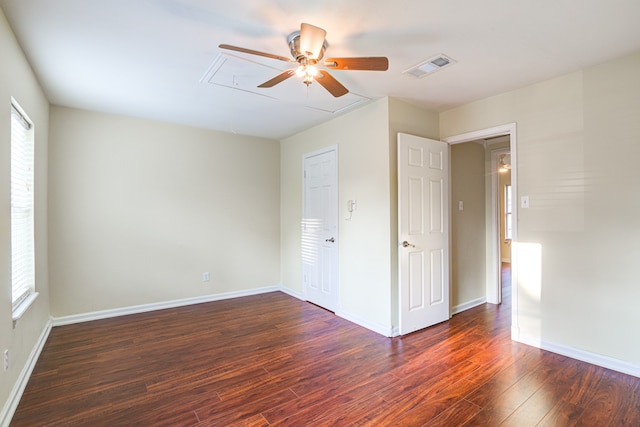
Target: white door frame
{"points": [[493, 267]]}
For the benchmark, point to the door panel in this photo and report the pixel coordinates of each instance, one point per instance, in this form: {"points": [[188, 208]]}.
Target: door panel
{"points": [[436, 196], [416, 273], [437, 276], [423, 233], [416, 206]]}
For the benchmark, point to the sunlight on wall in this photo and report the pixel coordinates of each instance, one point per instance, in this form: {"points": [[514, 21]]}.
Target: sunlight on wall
{"points": [[529, 285], [311, 233], [530, 270]]}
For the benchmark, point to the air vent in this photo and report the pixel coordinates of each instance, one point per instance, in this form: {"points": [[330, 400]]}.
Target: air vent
{"points": [[430, 66]]}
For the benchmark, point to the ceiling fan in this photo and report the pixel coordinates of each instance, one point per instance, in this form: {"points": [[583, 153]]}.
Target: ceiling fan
{"points": [[307, 47]]}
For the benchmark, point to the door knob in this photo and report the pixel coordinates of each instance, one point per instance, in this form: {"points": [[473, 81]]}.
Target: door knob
{"points": [[406, 244], [330, 240]]}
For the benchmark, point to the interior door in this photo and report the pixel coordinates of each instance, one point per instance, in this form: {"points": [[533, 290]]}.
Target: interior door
{"points": [[320, 228], [423, 233]]}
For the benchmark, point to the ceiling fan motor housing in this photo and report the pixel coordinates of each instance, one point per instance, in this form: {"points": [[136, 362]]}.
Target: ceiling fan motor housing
{"points": [[294, 46]]}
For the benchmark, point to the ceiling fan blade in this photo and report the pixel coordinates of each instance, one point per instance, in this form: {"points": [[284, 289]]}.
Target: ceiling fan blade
{"points": [[371, 63], [254, 52], [279, 78], [311, 40], [331, 84]]}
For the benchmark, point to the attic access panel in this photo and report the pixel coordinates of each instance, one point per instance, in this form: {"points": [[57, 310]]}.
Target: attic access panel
{"points": [[239, 73]]}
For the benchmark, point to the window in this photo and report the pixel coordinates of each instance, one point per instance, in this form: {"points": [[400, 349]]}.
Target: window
{"points": [[22, 235], [508, 213]]}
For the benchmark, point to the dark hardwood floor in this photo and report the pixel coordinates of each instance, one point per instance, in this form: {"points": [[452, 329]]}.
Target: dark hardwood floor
{"points": [[271, 360]]}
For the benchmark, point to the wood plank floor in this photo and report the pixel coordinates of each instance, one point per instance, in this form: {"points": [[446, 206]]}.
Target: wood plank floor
{"points": [[271, 360]]}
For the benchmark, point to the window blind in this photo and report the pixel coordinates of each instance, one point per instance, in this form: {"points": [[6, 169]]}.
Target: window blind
{"points": [[22, 235]]}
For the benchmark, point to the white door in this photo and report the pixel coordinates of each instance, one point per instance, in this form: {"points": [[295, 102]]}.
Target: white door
{"points": [[320, 229], [423, 233]]}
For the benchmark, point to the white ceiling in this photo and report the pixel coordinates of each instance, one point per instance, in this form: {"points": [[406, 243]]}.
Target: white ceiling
{"points": [[153, 58]]}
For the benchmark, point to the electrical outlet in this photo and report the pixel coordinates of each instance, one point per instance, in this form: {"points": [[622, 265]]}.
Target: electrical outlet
{"points": [[6, 360], [205, 276]]}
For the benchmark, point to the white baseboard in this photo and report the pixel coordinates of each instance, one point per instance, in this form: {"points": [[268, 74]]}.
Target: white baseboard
{"points": [[105, 314], [467, 305], [596, 359], [16, 393], [291, 292], [393, 331], [380, 329], [585, 356], [11, 404]]}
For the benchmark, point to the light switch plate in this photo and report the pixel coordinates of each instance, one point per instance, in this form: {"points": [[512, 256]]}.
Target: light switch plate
{"points": [[524, 202]]}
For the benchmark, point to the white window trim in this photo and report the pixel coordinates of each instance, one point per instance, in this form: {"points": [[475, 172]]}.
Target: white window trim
{"points": [[508, 213], [21, 303], [23, 306]]}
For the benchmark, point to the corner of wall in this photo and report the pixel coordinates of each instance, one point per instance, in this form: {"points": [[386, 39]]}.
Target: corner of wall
{"points": [[25, 338]]}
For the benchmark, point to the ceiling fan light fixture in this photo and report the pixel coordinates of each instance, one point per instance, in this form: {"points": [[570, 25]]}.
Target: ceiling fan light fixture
{"points": [[312, 70], [307, 72]]}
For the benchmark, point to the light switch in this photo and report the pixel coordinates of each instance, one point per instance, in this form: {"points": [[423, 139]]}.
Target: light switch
{"points": [[460, 205], [524, 202]]}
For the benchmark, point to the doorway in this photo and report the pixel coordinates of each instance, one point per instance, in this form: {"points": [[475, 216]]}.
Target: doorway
{"points": [[502, 198], [493, 264]]}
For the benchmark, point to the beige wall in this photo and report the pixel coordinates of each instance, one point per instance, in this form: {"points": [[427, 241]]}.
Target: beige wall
{"points": [[412, 120], [577, 281], [140, 209], [468, 244], [367, 168], [17, 80], [363, 174]]}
